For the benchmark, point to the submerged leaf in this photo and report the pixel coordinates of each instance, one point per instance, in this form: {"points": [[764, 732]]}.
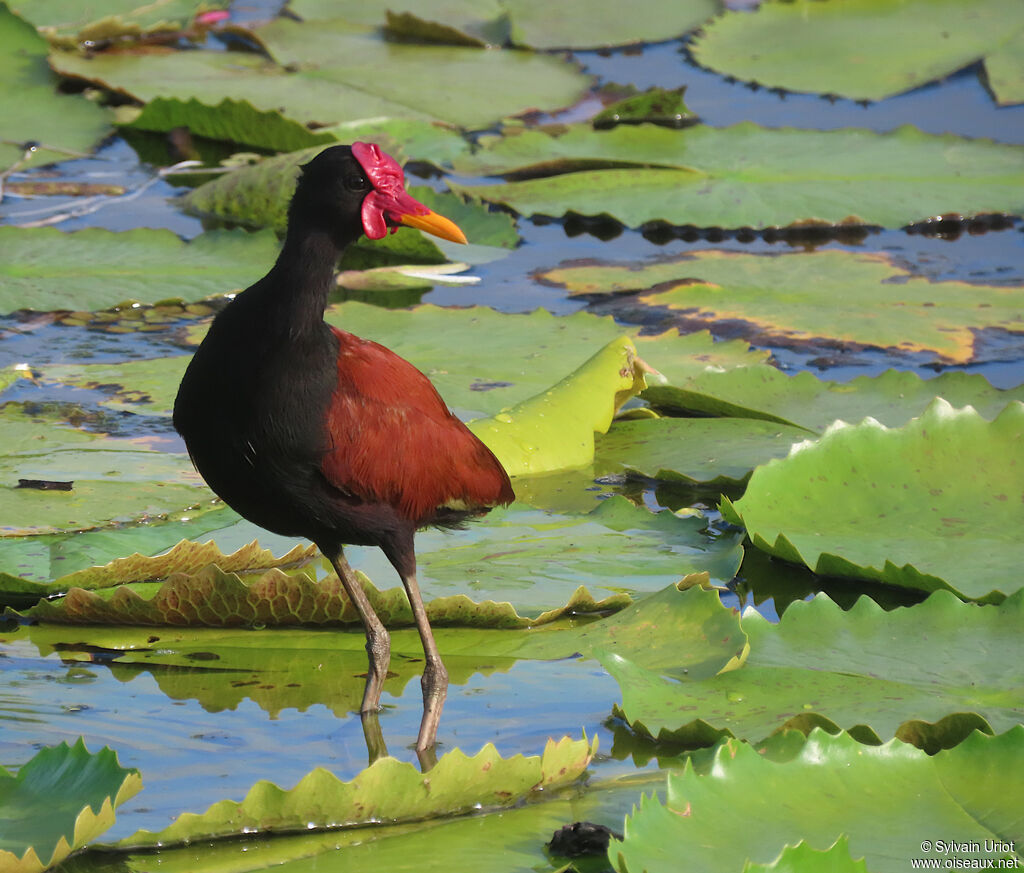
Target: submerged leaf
{"points": [[928, 674], [934, 504], [555, 430], [60, 800], [882, 798], [387, 790]]}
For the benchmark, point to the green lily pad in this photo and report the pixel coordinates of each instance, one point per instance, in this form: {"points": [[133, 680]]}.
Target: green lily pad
{"points": [[69, 22], [277, 671], [790, 298], [387, 790], [328, 71], [861, 49], [102, 480], [1005, 71], [481, 361], [893, 802], [185, 557], [46, 269], [933, 504], [495, 842], [575, 24], [801, 858], [555, 430], [33, 110], [928, 674], [60, 800], [717, 451], [804, 400], [748, 176], [231, 121], [213, 597]]}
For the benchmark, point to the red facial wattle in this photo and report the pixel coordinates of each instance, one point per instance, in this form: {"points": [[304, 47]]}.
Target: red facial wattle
{"points": [[389, 204]]}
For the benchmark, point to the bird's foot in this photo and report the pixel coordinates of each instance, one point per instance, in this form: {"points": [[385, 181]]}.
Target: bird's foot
{"points": [[435, 691]]}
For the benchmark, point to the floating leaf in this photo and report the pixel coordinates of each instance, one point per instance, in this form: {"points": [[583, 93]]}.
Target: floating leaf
{"points": [[278, 670], [933, 504], [748, 176], [60, 800], [804, 400], [719, 451], [885, 799], [1005, 71], [555, 430], [33, 110], [46, 269], [928, 674], [98, 480], [791, 298], [479, 359], [230, 120], [69, 23], [387, 790], [213, 597], [329, 71], [861, 49], [185, 557], [496, 842], [801, 858], [574, 24]]}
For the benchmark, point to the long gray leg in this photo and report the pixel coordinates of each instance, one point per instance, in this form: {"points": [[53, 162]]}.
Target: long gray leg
{"points": [[435, 676], [378, 643]]}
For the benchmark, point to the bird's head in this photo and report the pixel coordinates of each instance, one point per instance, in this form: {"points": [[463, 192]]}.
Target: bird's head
{"points": [[362, 187]]}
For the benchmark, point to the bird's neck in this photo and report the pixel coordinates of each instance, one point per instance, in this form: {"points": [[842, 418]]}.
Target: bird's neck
{"points": [[302, 278]]}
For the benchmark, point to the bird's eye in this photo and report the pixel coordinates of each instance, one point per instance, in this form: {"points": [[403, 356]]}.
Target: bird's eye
{"points": [[355, 182]]}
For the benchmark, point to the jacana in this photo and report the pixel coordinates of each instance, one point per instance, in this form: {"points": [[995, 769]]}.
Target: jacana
{"points": [[309, 431]]}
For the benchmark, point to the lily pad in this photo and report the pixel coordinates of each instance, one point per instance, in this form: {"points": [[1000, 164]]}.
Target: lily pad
{"points": [[213, 597], [928, 674], [574, 24], [748, 176], [479, 359], [185, 557], [278, 671], [555, 430], [387, 790], [33, 110], [69, 22], [933, 504], [1005, 71], [77, 481], [717, 451], [655, 105], [46, 269], [60, 800], [230, 120], [803, 400], [329, 71], [801, 858], [885, 799], [790, 298], [861, 49]]}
